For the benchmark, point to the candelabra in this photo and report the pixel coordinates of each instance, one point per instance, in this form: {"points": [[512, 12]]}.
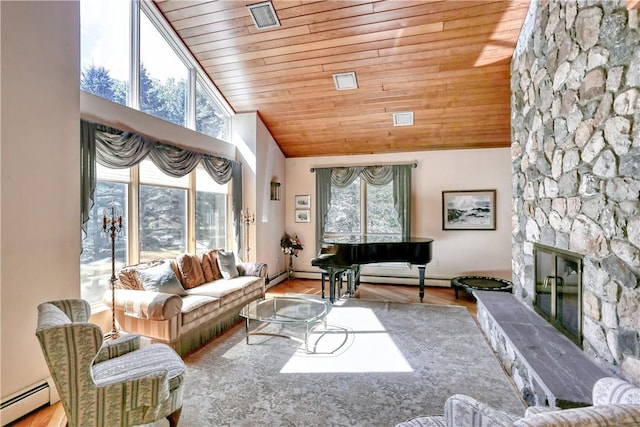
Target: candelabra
{"points": [[112, 226], [247, 219]]}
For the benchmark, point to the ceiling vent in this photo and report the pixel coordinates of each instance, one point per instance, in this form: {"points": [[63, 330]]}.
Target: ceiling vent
{"points": [[345, 81], [403, 119], [263, 15]]}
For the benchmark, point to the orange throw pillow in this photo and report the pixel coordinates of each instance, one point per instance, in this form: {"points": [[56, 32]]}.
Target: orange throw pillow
{"points": [[213, 259], [191, 270], [206, 267]]}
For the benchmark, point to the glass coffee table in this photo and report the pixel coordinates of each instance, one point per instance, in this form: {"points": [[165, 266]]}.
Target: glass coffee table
{"points": [[285, 311]]}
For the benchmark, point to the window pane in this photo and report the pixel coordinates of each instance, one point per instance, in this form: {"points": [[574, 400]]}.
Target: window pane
{"points": [[344, 214], [95, 260], [210, 118], [211, 212], [104, 43], [163, 76], [151, 174], [382, 217], [163, 222]]}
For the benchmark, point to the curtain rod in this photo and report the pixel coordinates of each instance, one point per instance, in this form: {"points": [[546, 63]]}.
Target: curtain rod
{"points": [[413, 165]]}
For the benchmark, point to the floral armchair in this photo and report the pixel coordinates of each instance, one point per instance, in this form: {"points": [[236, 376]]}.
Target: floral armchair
{"points": [[615, 403], [112, 383]]}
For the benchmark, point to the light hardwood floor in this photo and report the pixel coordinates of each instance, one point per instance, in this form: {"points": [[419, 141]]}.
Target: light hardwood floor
{"points": [[53, 416]]}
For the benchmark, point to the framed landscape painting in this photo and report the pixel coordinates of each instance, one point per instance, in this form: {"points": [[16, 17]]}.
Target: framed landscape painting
{"points": [[303, 215], [469, 210]]}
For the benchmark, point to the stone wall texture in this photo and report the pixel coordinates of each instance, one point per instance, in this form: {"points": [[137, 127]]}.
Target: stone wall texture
{"points": [[575, 82]]}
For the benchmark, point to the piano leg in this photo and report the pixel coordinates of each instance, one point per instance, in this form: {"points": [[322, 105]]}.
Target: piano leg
{"points": [[421, 269]]}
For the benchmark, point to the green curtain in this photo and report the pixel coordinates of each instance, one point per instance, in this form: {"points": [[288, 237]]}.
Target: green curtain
{"points": [[114, 148]]}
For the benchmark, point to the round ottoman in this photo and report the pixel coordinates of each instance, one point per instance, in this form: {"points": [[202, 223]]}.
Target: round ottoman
{"points": [[469, 283]]}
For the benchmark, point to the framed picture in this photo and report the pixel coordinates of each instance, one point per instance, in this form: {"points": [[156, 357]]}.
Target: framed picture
{"points": [[303, 215], [303, 202], [469, 210]]}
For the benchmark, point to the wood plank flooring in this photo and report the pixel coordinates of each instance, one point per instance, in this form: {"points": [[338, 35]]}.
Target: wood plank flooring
{"points": [[53, 416]]}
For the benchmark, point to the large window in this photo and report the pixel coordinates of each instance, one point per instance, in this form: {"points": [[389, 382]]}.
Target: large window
{"points": [[168, 216], [157, 77], [362, 208], [95, 261]]}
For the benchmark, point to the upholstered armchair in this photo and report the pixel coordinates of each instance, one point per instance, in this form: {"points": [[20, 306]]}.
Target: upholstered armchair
{"points": [[112, 383], [615, 403]]}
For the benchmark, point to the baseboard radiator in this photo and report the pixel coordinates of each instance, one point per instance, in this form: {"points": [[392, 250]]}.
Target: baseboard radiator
{"points": [[23, 402]]}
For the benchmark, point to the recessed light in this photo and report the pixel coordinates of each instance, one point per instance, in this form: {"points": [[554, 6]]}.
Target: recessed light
{"points": [[263, 15], [345, 81]]}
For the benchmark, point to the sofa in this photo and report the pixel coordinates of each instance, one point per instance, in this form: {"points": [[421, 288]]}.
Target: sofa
{"points": [[187, 300], [615, 403]]}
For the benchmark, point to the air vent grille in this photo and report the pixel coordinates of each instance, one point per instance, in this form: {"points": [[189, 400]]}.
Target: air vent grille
{"points": [[345, 81], [263, 15], [403, 119]]}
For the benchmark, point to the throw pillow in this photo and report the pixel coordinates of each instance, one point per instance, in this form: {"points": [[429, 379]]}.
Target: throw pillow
{"points": [[206, 267], [191, 270], [212, 255], [227, 264], [161, 278], [128, 276]]}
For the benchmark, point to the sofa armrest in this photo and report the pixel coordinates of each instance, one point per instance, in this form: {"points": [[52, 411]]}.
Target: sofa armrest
{"points": [[614, 390], [590, 416], [462, 410], [114, 348], [250, 268], [146, 304]]}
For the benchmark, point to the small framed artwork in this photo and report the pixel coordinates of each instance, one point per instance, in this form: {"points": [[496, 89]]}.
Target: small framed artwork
{"points": [[303, 215], [303, 202], [469, 210]]}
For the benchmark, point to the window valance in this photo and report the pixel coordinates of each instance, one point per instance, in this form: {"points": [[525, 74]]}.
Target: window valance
{"points": [[114, 148]]}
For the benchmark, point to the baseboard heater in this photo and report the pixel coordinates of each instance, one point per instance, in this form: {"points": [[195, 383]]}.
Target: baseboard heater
{"points": [[23, 402]]}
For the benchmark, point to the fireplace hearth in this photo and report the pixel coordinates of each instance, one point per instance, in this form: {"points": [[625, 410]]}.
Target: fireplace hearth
{"points": [[558, 289]]}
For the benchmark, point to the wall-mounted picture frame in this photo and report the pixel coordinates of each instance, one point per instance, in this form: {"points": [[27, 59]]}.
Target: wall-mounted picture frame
{"points": [[303, 201], [303, 215], [469, 210]]}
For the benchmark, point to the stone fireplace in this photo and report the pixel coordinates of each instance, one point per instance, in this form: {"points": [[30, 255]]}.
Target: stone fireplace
{"points": [[576, 167]]}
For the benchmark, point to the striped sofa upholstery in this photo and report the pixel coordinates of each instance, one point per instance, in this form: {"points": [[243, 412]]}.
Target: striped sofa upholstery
{"points": [[208, 306], [615, 403], [107, 383]]}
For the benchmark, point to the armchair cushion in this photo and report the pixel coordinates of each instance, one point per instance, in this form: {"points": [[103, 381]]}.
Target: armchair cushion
{"points": [[161, 278], [117, 347], [590, 416], [614, 390]]}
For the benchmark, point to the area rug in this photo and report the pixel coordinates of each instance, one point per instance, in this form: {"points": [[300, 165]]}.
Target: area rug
{"points": [[379, 364]]}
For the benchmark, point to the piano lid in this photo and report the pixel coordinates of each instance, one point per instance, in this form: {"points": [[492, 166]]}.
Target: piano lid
{"points": [[373, 238]]}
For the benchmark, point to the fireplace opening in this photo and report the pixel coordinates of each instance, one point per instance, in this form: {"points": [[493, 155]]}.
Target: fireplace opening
{"points": [[558, 289]]}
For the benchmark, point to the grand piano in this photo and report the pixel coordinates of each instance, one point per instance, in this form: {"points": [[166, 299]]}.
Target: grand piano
{"points": [[347, 254]]}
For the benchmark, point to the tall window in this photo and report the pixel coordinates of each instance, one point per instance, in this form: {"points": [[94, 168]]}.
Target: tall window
{"points": [[95, 260], [104, 44], [109, 36], [163, 213], [362, 208], [211, 212]]}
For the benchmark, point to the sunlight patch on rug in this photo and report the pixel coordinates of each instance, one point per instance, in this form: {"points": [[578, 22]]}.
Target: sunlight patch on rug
{"points": [[352, 341]]}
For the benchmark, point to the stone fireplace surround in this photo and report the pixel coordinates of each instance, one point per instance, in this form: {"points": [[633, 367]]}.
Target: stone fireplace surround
{"points": [[576, 164]]}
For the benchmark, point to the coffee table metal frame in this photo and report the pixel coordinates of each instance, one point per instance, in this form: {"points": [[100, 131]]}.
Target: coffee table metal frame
{"points": [[274, 311]]}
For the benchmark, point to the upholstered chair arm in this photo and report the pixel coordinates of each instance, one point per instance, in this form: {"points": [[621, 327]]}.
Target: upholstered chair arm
{"points": [[146, 304], [143, 389], [614, 390], [462, 410], [590, 416], [117, 347], [533, 410]]}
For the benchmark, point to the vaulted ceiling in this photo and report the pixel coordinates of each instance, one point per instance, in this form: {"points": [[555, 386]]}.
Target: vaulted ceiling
{"points": [[445, 61]]}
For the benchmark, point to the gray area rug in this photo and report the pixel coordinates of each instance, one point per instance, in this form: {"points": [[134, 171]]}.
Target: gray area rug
{"points": [[381, 364]]}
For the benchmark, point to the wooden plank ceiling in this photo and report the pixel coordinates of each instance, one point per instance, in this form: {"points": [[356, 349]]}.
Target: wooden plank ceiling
{"points": [[445, 61]]}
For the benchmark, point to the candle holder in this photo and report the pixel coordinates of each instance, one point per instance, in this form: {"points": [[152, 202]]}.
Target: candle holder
{"points": [[248, 219], [112, 227]]}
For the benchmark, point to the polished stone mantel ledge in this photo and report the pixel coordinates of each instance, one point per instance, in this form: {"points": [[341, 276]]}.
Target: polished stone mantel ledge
{"points": [[548, 368]]}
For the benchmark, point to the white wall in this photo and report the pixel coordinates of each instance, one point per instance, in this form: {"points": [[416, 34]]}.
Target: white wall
{"points": [[40, 185], [454, 252]]}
